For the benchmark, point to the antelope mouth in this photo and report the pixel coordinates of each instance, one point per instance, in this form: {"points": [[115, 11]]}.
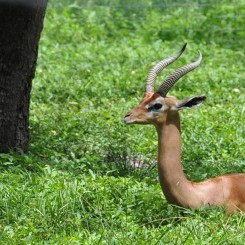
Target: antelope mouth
{"points": [[134, 121], [127, 121]]}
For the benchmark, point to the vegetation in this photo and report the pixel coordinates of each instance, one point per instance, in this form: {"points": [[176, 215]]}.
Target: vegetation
{"points": [[89, 179]]}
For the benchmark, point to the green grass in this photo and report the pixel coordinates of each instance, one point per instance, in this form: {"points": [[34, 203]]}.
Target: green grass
{"points": [[76, 184]]}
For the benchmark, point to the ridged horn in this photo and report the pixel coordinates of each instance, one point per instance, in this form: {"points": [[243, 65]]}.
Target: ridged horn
{"points": [[174, 77], [156, 69]]}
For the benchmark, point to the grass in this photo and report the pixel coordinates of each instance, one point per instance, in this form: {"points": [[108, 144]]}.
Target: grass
{"points": [[77, 185]]}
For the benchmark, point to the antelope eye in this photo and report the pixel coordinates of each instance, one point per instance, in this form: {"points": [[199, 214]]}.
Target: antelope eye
{"points": [[157, 106]]}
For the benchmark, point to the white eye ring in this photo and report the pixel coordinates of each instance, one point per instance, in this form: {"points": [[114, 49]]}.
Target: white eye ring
{"points": [[155, 107]]}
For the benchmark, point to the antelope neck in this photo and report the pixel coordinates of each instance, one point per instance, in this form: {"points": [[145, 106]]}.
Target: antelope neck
{"points": [[176, 188]]}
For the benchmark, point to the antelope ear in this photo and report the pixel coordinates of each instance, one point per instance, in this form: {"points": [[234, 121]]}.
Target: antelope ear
{"points": [[190, 102]]}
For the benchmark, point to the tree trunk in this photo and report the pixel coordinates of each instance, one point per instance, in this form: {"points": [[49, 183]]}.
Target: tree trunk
{"points": [[21, 22]]}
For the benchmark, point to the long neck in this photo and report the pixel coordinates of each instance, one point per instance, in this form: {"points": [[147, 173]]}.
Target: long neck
{"points": [[175, 186]]}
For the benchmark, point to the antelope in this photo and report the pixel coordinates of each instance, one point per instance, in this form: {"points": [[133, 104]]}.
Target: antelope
{"points": [[162, 111]]}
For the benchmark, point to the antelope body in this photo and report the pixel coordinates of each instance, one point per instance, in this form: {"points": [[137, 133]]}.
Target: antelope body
{"points": [[163, 112]]}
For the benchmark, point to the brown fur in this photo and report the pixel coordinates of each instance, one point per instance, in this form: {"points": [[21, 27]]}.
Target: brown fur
{"points": [[225, 190]]}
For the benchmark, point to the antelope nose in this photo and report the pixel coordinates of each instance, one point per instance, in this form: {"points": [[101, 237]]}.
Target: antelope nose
{"points": [[127, 115], [126, 118]]}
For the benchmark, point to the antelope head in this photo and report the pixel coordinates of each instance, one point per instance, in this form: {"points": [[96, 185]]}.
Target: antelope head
{"points": [[155, 106]]}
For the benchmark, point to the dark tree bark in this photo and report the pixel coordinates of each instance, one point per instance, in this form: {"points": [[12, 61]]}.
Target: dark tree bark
{"points": [[21, 22]]}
